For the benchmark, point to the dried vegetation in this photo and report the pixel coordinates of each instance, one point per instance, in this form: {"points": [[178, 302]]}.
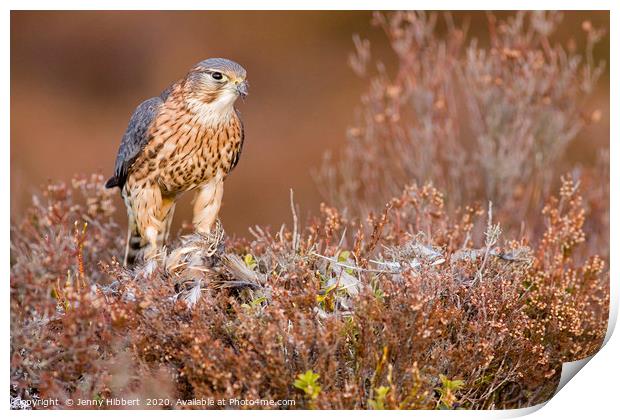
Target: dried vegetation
{"points": [[398, 294]]}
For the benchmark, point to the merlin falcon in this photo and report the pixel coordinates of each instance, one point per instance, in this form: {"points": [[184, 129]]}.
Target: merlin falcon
{"points": [[188, 138]]}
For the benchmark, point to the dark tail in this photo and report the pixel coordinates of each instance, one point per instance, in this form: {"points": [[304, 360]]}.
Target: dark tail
{"points": [[112, 182]]}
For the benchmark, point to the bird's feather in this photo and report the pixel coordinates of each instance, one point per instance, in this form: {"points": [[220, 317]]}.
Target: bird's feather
{"points": [[235, 159], [136, 138]]}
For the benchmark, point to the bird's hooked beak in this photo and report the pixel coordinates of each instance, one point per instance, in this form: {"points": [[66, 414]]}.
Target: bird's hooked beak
{"points": [[242, 89]]}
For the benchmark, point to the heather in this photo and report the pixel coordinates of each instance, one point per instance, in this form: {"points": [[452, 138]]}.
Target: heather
{"points": [[455, 263]]}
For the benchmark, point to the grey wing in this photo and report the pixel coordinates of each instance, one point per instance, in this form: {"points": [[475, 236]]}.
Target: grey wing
{"points": [[134, 140]]}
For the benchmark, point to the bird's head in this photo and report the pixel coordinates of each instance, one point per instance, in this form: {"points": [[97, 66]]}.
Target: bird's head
{"points": [[216, 83]]}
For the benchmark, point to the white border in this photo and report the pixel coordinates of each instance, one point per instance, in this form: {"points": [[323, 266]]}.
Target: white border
{"points": [[592, 395]]}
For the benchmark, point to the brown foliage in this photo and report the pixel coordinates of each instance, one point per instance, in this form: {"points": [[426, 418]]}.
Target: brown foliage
{"points": [[386, 310], [490, 122], [397, 295]]}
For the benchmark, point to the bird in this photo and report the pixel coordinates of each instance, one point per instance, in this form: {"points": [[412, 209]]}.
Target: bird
{"points": [[188, 138]]}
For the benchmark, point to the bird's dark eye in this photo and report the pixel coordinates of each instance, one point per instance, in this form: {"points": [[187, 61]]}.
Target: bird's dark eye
{"points": [[217, 75]]}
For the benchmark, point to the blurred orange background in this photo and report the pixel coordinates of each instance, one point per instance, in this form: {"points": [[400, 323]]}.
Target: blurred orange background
{"points": [[76, 77]]}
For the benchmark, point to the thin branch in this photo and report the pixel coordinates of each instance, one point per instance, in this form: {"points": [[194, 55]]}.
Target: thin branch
{"points": [[295, 222]]}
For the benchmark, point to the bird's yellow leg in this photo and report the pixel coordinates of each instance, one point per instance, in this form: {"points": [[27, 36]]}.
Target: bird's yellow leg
{"points": [[207, 205], [148, 207], [168, 205]]}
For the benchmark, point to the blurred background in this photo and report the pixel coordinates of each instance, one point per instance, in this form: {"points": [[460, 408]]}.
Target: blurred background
{"points": [[76, 77]]}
